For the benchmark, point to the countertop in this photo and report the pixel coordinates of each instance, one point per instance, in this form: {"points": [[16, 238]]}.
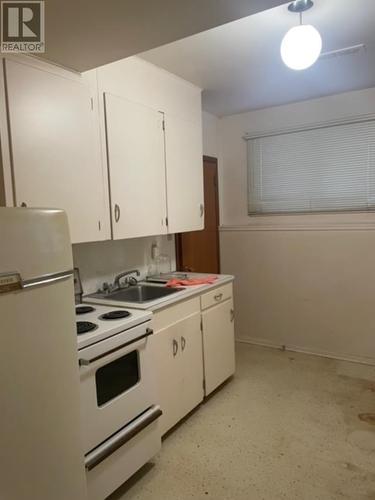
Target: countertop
{"points": [[155, 305]]}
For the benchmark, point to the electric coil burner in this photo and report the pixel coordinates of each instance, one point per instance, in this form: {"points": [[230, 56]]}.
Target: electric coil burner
{"points": [[84, 309], [117, 314], [106, 322], [85, 327]]}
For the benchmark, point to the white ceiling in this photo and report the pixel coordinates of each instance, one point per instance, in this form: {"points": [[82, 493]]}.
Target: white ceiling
{"points": [[85, 34], [239, 67]]}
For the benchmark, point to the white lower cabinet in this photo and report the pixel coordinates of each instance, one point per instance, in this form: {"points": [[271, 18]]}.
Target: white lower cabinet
{"points": [[218, 344], [193, 347], [179, 361]]}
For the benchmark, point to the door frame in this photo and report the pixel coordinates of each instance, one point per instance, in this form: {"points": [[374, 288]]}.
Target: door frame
{"points": [[178, 239]]}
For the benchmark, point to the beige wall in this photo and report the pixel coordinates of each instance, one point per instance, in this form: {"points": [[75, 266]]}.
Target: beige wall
{"points": [[305, 282], [307, 290], [210, 125]]}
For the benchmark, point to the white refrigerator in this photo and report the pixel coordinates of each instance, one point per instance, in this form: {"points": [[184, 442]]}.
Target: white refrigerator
{"points": [[40, 441]]}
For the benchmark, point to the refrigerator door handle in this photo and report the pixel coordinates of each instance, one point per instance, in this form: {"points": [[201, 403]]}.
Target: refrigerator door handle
{"points": [[125, 435], [11, 282], [47, 278]]}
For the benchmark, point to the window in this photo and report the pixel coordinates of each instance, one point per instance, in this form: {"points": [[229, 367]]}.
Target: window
{"points": [[322, 169]]}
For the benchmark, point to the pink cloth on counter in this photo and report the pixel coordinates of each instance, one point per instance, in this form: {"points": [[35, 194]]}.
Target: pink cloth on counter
{"points": [[190, 282]]}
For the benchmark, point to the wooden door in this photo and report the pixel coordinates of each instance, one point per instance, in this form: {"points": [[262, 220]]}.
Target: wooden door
{"points": [[183, 140], [135, 141], [218, 344], [198, 251], [56, 161]]}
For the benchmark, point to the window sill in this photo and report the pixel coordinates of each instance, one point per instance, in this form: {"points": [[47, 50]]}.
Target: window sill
{"points": [[359, 221]]}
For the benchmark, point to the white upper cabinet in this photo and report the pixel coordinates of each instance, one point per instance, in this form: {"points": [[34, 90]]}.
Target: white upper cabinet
{"points": [[135, 142], [55, 157], [119, 148], [140, 188], [184, 167]]}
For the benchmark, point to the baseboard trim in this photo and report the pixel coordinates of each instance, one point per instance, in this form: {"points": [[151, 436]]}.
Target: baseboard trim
{"points": [[323, 354]]}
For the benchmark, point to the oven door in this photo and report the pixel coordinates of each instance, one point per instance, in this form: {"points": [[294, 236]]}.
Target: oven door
{"points": [[116, 383]]}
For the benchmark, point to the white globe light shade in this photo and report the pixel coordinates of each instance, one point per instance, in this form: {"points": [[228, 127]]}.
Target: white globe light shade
{"points": [[301, 47]]}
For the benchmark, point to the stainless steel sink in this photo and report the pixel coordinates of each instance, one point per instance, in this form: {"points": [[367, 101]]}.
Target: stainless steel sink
{"points": [[139, 293]]}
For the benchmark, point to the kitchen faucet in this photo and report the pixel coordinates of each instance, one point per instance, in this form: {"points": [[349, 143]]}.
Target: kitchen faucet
{"points": [[116, 282]]}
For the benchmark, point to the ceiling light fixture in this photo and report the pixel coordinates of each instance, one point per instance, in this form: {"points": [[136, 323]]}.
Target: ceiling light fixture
{"points": [[302, 45]]}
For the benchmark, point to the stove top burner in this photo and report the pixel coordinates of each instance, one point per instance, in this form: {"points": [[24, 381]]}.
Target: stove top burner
{"points": [[84, 309], [85, 327], [118, 314]]}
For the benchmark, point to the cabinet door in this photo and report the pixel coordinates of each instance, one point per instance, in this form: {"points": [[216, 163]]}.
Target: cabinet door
{"points": [[56, 162], [184, 166], [192, 359], [179, 367], [136, 162], [169, 375], [218, 344]]}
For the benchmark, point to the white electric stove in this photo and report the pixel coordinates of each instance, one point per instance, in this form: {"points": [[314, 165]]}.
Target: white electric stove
{"points": [[97, 322], [119, 403]]}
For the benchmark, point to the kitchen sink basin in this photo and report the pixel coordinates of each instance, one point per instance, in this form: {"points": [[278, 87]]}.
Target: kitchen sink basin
{"points": [[141, 293]]}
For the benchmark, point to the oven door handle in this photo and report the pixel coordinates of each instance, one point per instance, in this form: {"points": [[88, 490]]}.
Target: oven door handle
{"points": [[87, 362], [125, 435]]}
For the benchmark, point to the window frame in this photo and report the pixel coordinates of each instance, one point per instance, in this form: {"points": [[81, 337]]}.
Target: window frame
{"points": [[320, 214]]}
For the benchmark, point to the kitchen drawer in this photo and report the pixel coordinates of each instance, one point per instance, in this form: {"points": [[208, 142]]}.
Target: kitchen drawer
{"points": [[174, 313], [216, 296], [112, 472]]}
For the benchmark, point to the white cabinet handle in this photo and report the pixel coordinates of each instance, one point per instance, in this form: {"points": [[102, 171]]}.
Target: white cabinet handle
{"points": [[183, 343], [175, 347], [117, 213], [218, 297], [201, 208], [232, 315]]}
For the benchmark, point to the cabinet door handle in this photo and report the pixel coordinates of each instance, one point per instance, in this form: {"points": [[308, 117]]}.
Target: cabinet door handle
{"points": [[117, 213], [232, 315], [218, 297], [183, 343], [175, 348], [201, 209]]}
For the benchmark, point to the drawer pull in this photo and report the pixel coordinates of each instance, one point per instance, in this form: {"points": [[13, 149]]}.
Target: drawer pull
{"points": [[218, 297], [183, 343], [114, 443]]}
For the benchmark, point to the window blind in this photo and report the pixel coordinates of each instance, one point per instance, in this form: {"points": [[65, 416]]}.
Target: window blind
{"points": [[325, 169]]}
